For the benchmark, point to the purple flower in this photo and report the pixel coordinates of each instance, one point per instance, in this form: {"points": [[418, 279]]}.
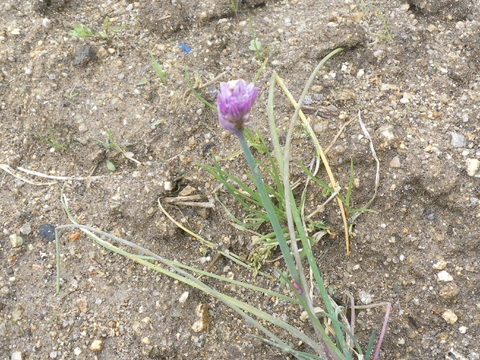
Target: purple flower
{"points": [[234, 102]]}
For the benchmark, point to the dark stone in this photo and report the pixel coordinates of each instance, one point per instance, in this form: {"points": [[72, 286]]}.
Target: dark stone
{"points": [[42, 6], [47, 232], [83, 55]]}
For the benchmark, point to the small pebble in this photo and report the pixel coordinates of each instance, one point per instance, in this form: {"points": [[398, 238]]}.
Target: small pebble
{"points": [[318, 128], [16, 315], [102, 53], [26, 229], [168, 186], [450, 317], [458, 140], [183, 297], [96, 346], [365, 297], [83, 55], [15, 240], [395, 162], [47, 232], [462, 329], [444, 276], [442, 264], [17, 355], [449, 291], [472, 166], [47, 23]]}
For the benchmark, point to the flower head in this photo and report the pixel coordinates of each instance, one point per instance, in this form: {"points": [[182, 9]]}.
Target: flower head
{"points": [[234, 102]]}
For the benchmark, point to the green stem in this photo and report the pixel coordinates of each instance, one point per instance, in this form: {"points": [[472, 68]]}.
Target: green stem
{"points": [[267, 203]]}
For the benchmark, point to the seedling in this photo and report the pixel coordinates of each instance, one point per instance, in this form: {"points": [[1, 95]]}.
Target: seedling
{"points": [[107, 30], [155, 123], [110, 143], [71, 94], [234, 6], [51, 141], [81, 31], [387, 36], [255, 44], [158, 69]]}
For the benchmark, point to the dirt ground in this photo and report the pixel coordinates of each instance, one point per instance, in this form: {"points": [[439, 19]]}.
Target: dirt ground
{"points": [[418, 95]]}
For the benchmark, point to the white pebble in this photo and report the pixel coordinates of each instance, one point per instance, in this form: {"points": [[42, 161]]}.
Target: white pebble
{"points": [[183, 297], [472, 166], [444, 276], [17, 355], [442, 264], [47, 23], [168, 186], [365, 297], [462, 329]]}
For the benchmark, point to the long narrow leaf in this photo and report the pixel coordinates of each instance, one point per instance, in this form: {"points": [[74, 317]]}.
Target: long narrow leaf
{"points": [[158, 69]]}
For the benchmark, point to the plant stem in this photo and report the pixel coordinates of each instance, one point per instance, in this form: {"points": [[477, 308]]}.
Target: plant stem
{"points": [[267, 203]]}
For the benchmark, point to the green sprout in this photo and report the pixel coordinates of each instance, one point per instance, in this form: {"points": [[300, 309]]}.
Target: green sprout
{"points": [[51, 141], [107, 30], [255, 44], [234, 6], [158, 69], [387, 36], [110, 143], [81, 31], [71, 94]]}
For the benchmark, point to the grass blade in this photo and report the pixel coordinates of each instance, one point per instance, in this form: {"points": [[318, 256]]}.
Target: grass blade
{"points": [[158, 69]]}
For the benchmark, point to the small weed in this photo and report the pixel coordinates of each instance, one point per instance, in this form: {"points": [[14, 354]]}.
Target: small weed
{"points": [[158, 69], [197, 95], [234, 6], [255, 45], [155, 123], [71, 94], [107, 31], [81, 31], [110, 143], [51, 141], [328, 190], [386, 35]]}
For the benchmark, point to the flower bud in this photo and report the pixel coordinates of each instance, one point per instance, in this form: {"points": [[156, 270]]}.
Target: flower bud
{"points": [[234, 102]]}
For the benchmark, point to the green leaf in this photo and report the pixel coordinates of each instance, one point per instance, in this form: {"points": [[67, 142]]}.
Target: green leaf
{"points": [[255, 45], [80, 31], [158, 69], [110, 166]]}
